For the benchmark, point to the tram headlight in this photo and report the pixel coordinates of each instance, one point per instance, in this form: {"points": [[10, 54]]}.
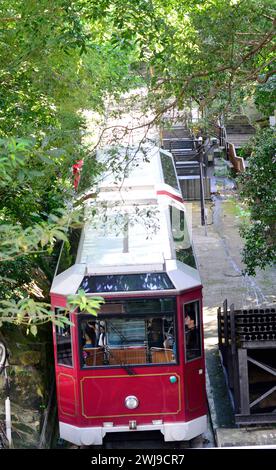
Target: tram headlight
{"points": [[131, 402]]}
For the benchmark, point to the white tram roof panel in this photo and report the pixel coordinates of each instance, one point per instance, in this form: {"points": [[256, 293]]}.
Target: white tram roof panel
{"points": [[124, 236], [139, 170], [132, 200]]}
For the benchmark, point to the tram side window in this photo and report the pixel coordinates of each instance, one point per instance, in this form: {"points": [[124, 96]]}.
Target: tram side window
{"points": [[169, 171], [92, 335], [64, 343], [181, 237], [192, 330]]}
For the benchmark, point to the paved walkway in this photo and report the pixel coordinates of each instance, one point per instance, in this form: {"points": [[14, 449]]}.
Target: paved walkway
{"points": [[219, 259]]}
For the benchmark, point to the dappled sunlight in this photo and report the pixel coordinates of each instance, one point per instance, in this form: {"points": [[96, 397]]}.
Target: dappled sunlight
{"points": [[211, 342]]}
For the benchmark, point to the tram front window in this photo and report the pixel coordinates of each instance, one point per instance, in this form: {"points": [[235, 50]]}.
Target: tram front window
{"points": [[142, 332]]}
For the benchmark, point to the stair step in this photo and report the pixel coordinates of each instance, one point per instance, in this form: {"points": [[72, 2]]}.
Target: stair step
{"points": [[188, 172], [188, 163], [176, 132], [240, 130], [178, 144], [185, 161], [179, 156]]}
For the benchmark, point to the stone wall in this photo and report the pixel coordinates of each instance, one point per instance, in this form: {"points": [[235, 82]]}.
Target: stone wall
{"points": [[29, 371]]}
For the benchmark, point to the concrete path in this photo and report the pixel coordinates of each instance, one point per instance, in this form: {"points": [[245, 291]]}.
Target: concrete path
{"points": [[219, 259]]}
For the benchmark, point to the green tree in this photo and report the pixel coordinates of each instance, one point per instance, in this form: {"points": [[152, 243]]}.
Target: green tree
{"points": [[258, 189], [265, 96], [48, 68], [193, 49]]}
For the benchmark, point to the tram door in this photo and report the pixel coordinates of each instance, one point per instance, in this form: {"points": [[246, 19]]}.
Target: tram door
{"points": [[194, 375]]}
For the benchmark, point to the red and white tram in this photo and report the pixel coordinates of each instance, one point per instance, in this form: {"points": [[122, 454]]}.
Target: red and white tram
{"points": [[139, 365]]}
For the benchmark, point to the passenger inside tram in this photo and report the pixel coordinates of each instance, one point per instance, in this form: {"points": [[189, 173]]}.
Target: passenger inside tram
{"points": [[90, 335], [161, 343], [169, 341], [192, 330], [155, 334], [189, 322], [134, 340], [101, 342]]}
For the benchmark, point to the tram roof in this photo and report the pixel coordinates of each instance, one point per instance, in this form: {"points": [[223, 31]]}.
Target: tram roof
{"points": [[137, 168], [180, 278], [131, 234]]}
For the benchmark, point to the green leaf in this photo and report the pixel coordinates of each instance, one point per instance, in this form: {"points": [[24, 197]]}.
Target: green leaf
{"points": [[33, 330]]}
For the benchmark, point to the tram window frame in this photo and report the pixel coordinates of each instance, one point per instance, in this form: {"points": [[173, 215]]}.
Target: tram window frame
{"points": [[168, 170], [103, 318], [69, 250], [58, 329], [196, 329], [184, 254]]}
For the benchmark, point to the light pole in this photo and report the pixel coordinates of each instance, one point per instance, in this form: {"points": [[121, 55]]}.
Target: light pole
{"points": [[202, 204]]}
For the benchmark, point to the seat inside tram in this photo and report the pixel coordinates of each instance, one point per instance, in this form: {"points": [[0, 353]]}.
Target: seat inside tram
{"points": [[142, 332]]}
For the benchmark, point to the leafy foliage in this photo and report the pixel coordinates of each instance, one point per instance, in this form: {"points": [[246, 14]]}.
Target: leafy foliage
{"points": [[193, 49], [258, 188], [50, 69], [265, 96], [84, 303], [30, 314]]}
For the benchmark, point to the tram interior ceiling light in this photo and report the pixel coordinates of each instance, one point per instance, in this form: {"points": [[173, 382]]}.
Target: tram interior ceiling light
{"points": [[131, 402]]}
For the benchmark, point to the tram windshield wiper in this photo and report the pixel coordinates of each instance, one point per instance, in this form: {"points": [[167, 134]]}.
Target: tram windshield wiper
{"points": [[127, 367]]}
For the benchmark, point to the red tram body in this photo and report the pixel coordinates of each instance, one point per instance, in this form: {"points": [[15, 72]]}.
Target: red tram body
{"points": [[139, 365]]}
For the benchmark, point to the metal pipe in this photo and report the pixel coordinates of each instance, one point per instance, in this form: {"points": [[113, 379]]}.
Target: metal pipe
{"points": [[202, 198], [8, 420]]}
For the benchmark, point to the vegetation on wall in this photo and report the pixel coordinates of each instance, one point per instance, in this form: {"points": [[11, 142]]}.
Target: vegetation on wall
{"points": [[258, 189]]}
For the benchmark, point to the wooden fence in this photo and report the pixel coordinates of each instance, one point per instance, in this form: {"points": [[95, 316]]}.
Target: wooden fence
{"points": [[237, 162], [247, 345]]}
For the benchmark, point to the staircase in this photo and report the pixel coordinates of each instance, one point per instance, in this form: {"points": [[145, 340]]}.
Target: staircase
{"points": [[239, 131], [181, 144]]}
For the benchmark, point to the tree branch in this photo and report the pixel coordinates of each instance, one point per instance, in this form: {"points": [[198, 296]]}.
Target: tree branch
{"points": [[10, 20]]}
